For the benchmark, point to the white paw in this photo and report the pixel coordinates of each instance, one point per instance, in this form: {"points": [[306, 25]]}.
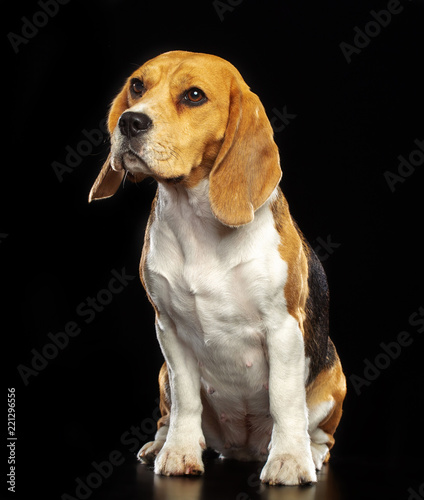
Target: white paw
{"points": [[179, 460], [319, 454], [289, 469], [148, 453]]}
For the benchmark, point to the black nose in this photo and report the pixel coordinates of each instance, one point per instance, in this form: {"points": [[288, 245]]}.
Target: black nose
{"points": [[132, 124]]}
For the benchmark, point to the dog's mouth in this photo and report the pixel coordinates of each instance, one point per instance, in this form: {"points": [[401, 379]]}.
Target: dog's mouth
{"points": [[133, 166], [131, 163]]}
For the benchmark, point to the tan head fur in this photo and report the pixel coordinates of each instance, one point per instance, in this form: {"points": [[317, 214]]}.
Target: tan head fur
{"points": [[198, 120]]}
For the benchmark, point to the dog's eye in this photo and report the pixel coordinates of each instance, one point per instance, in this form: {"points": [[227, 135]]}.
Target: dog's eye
{"points": [[137, 87], [195, 96]]}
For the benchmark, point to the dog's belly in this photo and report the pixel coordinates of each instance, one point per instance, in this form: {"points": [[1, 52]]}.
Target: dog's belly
{"points": [[234, 377], [225, 333], [216, 315], [236, 419]]}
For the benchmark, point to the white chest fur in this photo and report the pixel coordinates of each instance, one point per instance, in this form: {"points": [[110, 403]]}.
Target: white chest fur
{"points": [[216, 286]]}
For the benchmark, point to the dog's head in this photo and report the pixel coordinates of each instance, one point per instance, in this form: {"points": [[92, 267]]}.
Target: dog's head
{"points": [[183, 117]]}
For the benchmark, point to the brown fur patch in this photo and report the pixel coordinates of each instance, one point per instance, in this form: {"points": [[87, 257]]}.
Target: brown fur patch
{"points": [[329, 384], [165, 398], [247, 168], [146, 249], [292, 251]]}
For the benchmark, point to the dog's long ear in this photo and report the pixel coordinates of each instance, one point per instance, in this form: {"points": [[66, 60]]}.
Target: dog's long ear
{"points": [[247, 168], [108, 181]]}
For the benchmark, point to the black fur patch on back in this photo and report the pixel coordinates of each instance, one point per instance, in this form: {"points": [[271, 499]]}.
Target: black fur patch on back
{"points": [[318, 347]]}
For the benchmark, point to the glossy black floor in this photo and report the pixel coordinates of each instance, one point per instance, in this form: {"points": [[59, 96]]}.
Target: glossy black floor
{"points": [[341, 479]]}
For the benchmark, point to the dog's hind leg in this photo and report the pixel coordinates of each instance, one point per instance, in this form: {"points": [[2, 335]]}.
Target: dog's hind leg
{"points": [[324, 399], [149, 451]]}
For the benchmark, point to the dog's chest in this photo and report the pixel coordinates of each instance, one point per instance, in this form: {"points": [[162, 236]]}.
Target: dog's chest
{"points": [[215, 283]]}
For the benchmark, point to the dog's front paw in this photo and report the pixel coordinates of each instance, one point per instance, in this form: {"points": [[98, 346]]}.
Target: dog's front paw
{"points": [[289, 470], [148, 453], [179, 461]]}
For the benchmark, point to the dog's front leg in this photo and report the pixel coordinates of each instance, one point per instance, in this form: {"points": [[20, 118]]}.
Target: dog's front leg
{"points": [[290, 458], [182, 451]]}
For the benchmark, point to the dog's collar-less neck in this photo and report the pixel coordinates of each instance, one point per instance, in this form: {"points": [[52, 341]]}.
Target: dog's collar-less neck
{"points": [[172, 197]]}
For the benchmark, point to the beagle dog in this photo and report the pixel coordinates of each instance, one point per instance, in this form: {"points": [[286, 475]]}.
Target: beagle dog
{"points": [[241, 300]]}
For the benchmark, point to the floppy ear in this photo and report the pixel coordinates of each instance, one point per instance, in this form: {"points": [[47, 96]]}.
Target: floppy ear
{"points": [[108, 181], [247, 168]]}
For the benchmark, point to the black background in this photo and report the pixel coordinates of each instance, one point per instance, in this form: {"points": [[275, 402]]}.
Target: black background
{"points": [[351, 122]]}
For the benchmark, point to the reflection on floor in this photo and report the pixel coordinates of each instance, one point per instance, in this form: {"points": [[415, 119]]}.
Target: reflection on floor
{"points": [[342, 479], [230, 479], [239, 486]]}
